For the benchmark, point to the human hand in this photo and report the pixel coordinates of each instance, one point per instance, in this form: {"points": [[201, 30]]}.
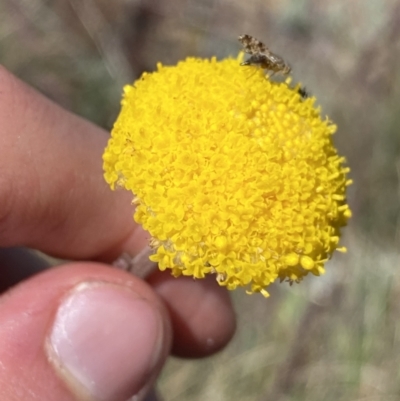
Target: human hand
{"points": [[84, 330]]}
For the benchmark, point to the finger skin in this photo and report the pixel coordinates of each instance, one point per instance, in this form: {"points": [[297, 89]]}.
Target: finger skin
{"points": [[202, 315], [201, 312], [52, 193], [26, 315]]}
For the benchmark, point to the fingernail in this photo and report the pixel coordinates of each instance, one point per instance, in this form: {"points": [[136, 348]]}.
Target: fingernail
{"points": [[105, 341]]}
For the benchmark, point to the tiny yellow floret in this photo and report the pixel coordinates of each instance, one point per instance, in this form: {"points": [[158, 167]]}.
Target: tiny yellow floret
{"points": [[233, 174]]}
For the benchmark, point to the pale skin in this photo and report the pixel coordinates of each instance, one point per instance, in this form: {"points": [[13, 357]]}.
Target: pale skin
{"points": [[53, 198]]}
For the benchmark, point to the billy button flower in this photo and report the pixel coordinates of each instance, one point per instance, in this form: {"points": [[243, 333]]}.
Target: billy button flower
{"points": [[232, 174]]}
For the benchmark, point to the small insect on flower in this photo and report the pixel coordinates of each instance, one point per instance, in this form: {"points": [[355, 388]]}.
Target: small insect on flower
{"points": [[303, 92], [262, 56]]}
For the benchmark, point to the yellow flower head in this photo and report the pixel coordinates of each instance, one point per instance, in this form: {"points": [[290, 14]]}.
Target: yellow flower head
{"points": [[233, 173]]}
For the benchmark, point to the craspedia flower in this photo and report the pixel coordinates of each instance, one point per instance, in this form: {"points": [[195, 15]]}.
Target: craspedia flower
{"points": [[232, 174]]}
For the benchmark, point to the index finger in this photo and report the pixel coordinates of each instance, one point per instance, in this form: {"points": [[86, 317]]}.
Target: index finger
{"points": [[52, 193]]}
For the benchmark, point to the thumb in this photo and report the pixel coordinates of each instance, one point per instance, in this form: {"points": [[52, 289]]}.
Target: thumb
{"points": [[80, 332]]}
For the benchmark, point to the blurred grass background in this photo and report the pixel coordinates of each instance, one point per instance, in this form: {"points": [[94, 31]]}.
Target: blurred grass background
{"points": [[331, 338]]}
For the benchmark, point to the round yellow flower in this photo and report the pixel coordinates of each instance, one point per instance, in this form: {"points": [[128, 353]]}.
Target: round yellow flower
{"points": [[232, 173]]}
